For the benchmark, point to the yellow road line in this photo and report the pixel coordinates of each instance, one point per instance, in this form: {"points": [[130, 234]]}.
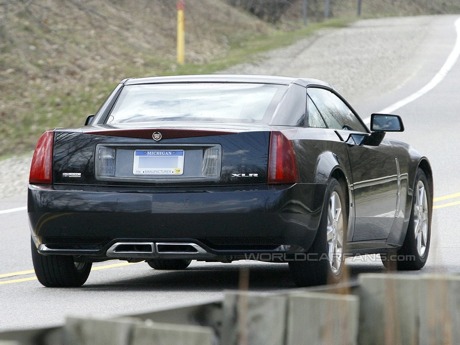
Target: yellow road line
{"points": [[106, 267], [450, 204], [447, 197], [19, 273], [444, 198], [21, 280], [23, 273]]}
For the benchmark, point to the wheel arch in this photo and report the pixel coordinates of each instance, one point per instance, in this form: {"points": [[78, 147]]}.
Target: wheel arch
{"points": [[340, 176], [407, 244], [328, 166], [425, 166]]}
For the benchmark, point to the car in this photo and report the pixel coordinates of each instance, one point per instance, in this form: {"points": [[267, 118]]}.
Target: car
{"points": [[227, 167]]}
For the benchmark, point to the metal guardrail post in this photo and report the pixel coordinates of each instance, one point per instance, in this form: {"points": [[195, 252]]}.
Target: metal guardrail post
{"points": [[327, 8], [180, 32], [305, 12]]}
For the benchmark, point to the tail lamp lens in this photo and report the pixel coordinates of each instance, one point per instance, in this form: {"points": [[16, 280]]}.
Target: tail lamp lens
{"points": [[282, 165], [42, 161]]}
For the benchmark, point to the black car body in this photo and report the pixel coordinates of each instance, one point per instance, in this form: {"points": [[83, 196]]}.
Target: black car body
{"points": [[222, 168]]}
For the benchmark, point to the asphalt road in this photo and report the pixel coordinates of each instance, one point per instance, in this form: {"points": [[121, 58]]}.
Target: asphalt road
{"points": [[115, 288]]}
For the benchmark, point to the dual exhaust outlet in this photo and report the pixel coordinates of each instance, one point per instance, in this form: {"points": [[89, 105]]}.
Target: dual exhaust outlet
{"points": [[148, 250]]}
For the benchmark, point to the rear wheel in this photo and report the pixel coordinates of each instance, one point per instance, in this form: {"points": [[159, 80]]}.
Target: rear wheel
{"points": [[414, 252], [169, 264], [59, 270], [324, 263]]}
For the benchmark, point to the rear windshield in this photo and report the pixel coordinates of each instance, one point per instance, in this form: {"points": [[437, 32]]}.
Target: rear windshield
{"points": [[208, 102]]}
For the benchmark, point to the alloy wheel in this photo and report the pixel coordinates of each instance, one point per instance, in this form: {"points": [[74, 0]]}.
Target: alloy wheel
{"points": [[335, 230], [421, 218]]}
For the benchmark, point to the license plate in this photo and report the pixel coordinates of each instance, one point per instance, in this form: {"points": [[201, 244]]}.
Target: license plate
{"points": [[158, 162]]}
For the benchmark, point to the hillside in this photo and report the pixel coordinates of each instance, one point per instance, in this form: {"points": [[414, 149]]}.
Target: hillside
{"points": [[60, 58]]}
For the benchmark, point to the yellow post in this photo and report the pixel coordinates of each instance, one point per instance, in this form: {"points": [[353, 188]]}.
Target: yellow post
{"points": [[180, 32]]}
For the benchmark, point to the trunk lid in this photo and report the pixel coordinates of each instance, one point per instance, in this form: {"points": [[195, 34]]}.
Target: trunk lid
{"points": [[160, 156]]}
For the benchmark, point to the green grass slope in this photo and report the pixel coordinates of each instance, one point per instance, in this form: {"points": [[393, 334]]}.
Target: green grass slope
{"points": [[60, 58]]}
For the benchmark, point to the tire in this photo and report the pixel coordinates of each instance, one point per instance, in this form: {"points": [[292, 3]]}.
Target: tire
{"points": [[414, 252], [169, 264], [59, 270], [325, 261]]}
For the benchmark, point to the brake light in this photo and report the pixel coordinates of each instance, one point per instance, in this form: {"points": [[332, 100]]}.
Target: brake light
{"points": [[282, 165], [41, 167]]}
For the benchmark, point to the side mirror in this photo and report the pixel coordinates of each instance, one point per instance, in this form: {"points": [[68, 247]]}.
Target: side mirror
{"points": [[380, 124], [386, 123], [89, 120]]}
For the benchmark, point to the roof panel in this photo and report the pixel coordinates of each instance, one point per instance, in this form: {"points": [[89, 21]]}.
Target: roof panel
{"points": [[223, 78]]}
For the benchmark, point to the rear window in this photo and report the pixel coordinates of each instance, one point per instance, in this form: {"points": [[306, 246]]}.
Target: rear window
{"points": [[204, 102]]}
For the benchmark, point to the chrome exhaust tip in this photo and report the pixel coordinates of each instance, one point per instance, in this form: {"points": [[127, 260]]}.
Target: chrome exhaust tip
{"points": [[131, 250], [178, 248], [149, 250]]}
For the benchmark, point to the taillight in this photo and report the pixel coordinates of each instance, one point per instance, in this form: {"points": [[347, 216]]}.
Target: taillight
{"points": [[41, 167], [282, 165]]}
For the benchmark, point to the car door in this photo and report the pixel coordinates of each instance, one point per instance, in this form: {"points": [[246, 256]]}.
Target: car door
{"points": [[375, 173]]}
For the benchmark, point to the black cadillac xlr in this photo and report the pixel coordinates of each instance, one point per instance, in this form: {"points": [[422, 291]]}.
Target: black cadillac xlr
{"points": [[223, 168]]}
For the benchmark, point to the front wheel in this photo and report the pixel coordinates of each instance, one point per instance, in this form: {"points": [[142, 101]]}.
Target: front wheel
{"points": [[325, 261], [414, 252], [59, 270]]}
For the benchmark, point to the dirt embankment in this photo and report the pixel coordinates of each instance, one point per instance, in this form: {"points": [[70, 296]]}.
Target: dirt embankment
{"points": [[59, 59], [375, 49], [52, 51]]}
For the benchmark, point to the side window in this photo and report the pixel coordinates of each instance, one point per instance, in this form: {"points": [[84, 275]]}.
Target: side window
{"points": [[314, 118], [334, 111]]}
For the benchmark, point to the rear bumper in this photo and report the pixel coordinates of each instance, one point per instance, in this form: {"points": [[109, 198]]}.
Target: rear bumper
{"points": [[221, 222]]}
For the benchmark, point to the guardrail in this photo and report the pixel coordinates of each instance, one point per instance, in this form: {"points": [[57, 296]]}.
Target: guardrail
{"points": [[379, 309]]}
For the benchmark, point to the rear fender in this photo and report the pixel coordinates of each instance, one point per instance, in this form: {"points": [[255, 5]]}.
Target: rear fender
{"points": [[328, 167], [327, 162]]}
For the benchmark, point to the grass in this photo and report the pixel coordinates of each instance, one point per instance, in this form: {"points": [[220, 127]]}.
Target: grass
{"points": [[59, 60], [248, 49], [68, 105]]}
